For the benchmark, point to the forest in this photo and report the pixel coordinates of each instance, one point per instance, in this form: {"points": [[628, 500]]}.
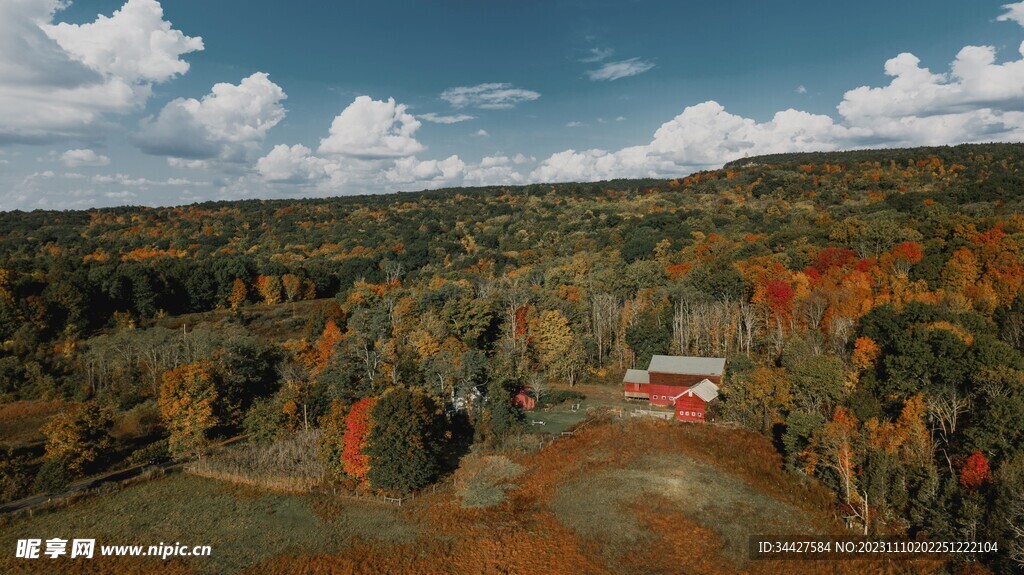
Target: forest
{"points": [[869, 303]]}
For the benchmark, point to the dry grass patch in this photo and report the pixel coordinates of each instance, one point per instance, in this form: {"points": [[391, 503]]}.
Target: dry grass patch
{"points": [[292, 464], [481, 481], [21, 421]]}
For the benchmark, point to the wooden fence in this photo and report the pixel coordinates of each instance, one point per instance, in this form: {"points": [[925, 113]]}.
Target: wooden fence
{"points": [[651, 413]]}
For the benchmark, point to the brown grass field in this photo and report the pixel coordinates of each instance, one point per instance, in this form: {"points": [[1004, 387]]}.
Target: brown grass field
{"points": [[619, 496], [21, 422]]}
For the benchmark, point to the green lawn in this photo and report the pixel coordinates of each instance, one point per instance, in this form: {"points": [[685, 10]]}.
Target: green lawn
{"points": [[561, 417]]}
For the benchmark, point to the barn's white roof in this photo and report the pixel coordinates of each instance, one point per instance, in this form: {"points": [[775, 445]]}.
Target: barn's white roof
{"points": [[636, 376], [687, 365], [705, 390]]}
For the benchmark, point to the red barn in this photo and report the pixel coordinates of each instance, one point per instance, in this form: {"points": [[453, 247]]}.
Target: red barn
{"points": [[692, 404], [688, 384]]}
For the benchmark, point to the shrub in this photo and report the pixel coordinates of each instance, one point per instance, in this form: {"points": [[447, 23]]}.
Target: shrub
{"points": [[143, 420], [80, 437], [557, 396], [357, 430], [187, 399], [156, 451], [483, 481], [14, 476]]}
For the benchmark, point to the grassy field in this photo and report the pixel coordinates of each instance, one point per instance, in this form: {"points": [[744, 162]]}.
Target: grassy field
{"points": [[21, 422], [618, 496], [555, 421], [243, 526], [274, 321]]}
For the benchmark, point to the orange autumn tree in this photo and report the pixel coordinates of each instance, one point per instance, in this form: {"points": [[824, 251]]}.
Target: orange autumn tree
{"points": [[292, 287], [837, 446], [79, 437], [238, 294], [357, 429], [961, 271], [269, 288], [316, 357], [187, 398], [908, 438], [865, 353]]}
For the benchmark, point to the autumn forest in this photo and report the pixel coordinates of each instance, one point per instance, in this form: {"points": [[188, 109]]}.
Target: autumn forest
{"points": [[870, 306]]}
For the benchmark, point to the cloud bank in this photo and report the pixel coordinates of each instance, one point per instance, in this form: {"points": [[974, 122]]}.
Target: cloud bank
{"points": [[68, 81], [60, 81]]}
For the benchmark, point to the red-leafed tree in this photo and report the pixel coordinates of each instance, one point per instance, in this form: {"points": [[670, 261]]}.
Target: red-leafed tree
{"points": [[521, 320], [357, 428], [906, 255], [779, 294], [830, 258], [974, 472]]}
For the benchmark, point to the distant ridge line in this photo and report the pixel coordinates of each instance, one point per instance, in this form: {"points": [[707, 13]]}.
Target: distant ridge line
{"points": [[868, 155]]}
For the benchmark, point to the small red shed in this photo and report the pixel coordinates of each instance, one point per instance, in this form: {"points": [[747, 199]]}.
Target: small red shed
{"points": [[524, 399]]}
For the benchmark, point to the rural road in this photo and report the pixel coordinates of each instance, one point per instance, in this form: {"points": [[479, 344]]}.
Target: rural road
{"points": [[78, 487]]}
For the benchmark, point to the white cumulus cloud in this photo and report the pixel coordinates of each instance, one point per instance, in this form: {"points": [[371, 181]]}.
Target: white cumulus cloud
{"points": [[372, 129], [496, 171], [978, 99], [135, 44], [83, 158], [229, 124], [292, 164], [701, 136], [426, 173], [1014, 13], [61, 81]]}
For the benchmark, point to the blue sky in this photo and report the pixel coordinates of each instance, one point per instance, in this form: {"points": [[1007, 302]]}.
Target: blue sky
{"points": [[114, 102]]}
